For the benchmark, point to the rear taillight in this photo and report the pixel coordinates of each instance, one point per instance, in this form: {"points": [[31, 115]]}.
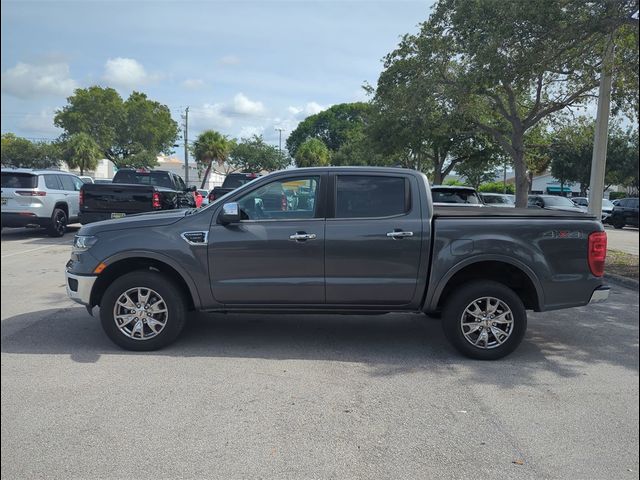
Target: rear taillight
{"points": [[283, 203], [81, 197], [31, 193], [597, 252], [155, 200]]}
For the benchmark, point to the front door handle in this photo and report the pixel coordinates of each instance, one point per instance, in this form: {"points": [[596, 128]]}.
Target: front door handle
{"points": [[399, 234], [302, 236]]}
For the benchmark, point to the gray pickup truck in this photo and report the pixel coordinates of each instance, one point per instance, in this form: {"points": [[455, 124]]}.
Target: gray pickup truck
{"points": [[344, 240]]}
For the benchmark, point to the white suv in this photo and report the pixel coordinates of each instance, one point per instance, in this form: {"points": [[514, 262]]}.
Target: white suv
{"points": [[40, 198]]}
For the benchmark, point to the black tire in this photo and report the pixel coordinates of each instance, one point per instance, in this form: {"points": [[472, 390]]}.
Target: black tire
{"points": [[58, 225], [169, 292], [617, 223], [457, 303]]}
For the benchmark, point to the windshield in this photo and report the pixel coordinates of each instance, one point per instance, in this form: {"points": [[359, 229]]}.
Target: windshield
{"points": [[554, 201], [235, 181], [607, 203], [455, 196], [156, 179], [501, 199]]}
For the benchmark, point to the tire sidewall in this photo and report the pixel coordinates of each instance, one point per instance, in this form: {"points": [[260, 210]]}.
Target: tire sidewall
{"points": [[53, 231], [166, 288], [458, 302]]}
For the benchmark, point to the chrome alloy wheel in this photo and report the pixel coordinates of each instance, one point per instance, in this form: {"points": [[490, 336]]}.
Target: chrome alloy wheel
{"points": [[140, 313], [487, 322]]}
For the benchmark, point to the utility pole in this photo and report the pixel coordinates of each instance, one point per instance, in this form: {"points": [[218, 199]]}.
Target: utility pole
{"points": [[280, 130], [599, 159], [186, 146]]}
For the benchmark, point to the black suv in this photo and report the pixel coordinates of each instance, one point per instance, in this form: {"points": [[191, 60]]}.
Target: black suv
{"points": [[624, 213]]}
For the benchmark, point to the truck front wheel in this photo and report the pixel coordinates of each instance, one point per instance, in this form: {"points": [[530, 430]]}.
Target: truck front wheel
{"points": [[484, 320], [143, 310]]}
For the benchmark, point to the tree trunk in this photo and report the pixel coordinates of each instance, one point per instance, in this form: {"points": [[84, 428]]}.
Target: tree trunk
{"points": [[520, 170], [206, 176], [81, 168]]}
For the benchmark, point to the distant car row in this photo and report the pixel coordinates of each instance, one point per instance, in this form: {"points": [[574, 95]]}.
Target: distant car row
{"points": [[52, 199], [618, 213]]}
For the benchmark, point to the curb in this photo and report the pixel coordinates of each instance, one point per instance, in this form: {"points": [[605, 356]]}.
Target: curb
{"points": [[623, 281]]}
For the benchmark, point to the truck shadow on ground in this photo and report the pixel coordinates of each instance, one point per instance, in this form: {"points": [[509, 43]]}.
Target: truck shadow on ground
{"points": [[394, 344], [38, 236]]}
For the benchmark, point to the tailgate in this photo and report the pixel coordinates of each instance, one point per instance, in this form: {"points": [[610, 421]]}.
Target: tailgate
{"points": [[117, 198]]}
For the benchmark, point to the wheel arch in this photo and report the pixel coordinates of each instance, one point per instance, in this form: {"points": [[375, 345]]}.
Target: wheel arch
{"points": [[505, 270], [122, 264]]}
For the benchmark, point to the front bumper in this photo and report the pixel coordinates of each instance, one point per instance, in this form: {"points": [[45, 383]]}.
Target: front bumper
{"points": [[600, 294], [79, 287]]}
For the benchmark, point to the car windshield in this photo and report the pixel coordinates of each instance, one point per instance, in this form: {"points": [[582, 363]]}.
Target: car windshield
{"points": [[455, 196], [19, 180], [557, 201], [236, 181], [607, 203], [157, 179], [502, 199]]}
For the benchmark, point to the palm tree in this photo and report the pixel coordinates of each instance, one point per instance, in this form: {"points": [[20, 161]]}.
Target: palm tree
{"points": [[211, 146], [81, 151]]}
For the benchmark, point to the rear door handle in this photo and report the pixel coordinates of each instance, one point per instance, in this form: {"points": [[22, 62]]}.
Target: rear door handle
{"points": [[302, 236], [399, 234]]}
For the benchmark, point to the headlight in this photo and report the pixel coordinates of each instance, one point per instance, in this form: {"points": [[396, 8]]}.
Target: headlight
{"points": [[84, 242]]}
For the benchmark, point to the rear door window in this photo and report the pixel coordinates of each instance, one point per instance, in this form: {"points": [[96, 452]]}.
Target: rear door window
{"points": [[19, 180], [67, 183], [52, 182], [363, 196]]}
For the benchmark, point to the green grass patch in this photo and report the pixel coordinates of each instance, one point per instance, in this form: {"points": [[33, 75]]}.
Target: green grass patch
{"points": [[621, 263]]}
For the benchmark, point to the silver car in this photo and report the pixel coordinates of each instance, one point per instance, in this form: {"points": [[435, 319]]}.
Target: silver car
{"points": [[40, 198]]}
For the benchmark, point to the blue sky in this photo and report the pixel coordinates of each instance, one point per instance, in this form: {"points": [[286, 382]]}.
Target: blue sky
{"points": [[242, 67]]}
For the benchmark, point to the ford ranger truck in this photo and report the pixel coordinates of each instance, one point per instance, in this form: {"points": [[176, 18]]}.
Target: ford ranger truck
{"points": [[359, 240]]}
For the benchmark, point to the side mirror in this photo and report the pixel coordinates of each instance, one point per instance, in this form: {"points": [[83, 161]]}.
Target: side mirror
{"points": [[230, 213], [193, 188]]}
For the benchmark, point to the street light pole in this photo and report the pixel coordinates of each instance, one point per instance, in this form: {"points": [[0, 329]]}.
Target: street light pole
{"points": [[599, 159], [279, 130], [186, 146]]}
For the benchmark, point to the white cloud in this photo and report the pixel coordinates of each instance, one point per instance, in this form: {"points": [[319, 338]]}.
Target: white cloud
{"points": [[230, 60], [250, 131], [30, 80], [209, 115], [242, 105], [310, 108], [126, 73], [193, 83], [40, 124]]}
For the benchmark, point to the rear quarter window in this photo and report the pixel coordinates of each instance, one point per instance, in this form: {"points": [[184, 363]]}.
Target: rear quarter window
{"points": [[19, 180]]}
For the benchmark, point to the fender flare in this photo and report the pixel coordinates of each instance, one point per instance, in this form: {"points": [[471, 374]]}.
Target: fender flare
{"points": [[191, 285], [432, 300]]}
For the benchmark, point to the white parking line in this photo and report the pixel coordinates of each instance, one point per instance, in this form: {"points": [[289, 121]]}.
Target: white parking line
{"points": [[31, 250]]}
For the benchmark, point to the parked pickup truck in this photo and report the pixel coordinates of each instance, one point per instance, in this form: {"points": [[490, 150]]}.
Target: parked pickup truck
{"points": [[134, 191], [360, 240], [231, 182]]}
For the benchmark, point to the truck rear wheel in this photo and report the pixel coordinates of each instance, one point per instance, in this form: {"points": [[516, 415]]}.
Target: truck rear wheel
{"points": [[143, 310], [484, 320]]}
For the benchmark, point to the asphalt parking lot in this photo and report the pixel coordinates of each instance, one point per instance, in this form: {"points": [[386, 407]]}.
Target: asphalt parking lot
{"points": [[266, 396]]}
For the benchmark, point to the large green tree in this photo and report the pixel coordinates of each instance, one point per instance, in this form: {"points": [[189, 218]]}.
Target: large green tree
{"points": [[255, 155], [211, 146], [129, 133], [81, 151], [312, 153], [333, 126], [571, 151], [510, 65], [21, 152]]}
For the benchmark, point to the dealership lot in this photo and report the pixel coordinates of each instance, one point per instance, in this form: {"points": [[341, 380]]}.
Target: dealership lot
{"points": [[267, 396]]}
